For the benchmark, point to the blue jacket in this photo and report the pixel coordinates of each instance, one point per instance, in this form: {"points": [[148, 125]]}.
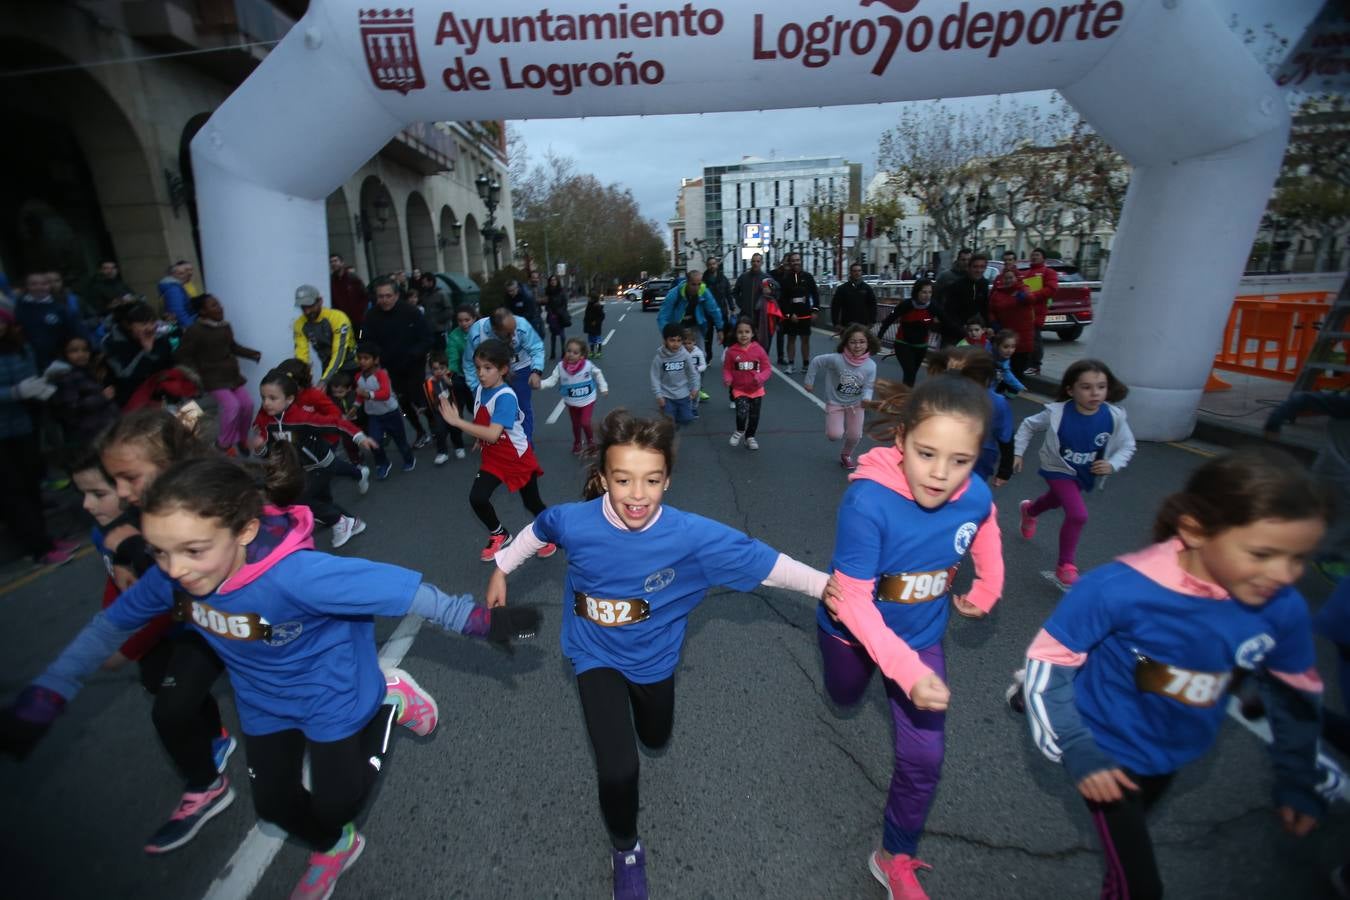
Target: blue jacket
{"points": [[527, 349], [14, 418], [47, 325], [176, 301], [706, 309]]}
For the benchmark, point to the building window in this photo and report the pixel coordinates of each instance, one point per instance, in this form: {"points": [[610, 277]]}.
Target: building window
{"points": [[792, 192], [738, 196], [752, 193], [776, 201]]}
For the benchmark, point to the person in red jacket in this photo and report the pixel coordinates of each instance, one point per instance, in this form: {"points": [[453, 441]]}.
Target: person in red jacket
{"points": [[745, 370], [1042, 283], [1011, 307], [346, 291]]}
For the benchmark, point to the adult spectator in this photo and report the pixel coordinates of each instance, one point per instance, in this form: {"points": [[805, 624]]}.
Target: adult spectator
{"points": [[46, 323], [1041, 298], [106, 288], [691, 305], [556, 316], [527, 356], [1009, 260], [322, 335], [404, 339], [21, 466], [347, 293], [963, 299], [134, 349], [854, 301], [521, 303], [721, 290], [174, 292], [955, 273], [436, 306], [1010, 306], [746, 291], [798, 298]]}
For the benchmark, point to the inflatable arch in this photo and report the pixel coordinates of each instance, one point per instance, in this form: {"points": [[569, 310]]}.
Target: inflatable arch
{"points": [[1164, 81]]}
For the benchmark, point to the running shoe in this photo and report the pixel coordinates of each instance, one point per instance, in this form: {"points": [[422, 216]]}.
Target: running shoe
{"points": [[410, 464], [732, 404], [1032, 370], [459, 453], [847, 462], [898, 876], [321, 878], [790, 368], [1067, 574], [736, 438], [221, 748], [495, 542], [382, 471], [363, 484], [630, 873], [1028, 520], [576, 449], [441, 459], [1013, 693], [703, 395], [345, 529], [417, 709], [194, 810], [422, 441], [547, 550], [57, 556], [752, 443]]}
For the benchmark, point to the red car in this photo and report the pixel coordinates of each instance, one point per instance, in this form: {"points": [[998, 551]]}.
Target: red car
{"points": [[1070, 309]]}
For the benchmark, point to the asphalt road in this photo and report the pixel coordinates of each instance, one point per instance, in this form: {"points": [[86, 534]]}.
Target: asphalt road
{"points": [[765, 790]]}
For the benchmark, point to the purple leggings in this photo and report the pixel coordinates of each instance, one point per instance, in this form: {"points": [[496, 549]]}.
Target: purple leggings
{"points": [[236, 415], [1064, 492], [919, 741]]}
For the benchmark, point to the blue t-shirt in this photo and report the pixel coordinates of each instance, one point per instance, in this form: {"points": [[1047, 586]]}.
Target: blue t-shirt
{"points": [[505, 410], [1000, 431], [669, 567], [318, 671], [881, 532], [1082, 441], [1116, 615]]}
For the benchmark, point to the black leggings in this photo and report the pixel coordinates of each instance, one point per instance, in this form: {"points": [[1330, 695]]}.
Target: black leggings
{"points": [[179, 671], [615, 709], [910, 358], [747, 414], [1122, 827], [318, 495], [480, 498], [342, 773], [407, 386]]}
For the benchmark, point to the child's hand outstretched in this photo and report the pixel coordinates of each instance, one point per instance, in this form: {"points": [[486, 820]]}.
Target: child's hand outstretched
{"points": [[449, 411], [1105, 786], [496, 589], [929, 692], [1017, 464]]}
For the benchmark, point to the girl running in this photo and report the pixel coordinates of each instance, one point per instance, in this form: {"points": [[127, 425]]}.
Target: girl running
{"points": [[1128, 680], [850, 375], [296, 632], [209, 349], [633, 578], [1086, 437], [919, 329], [508, 457], [284, 420], [745, 371], [1005, 351], [578, 379], [906, 522], [593, 323]]}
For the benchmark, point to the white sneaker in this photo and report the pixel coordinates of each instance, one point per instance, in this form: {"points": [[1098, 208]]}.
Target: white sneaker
{"points": [[459, 454], [752, 443], [732, 404], [736, 438], [345, 529], [790, 368], [364, 484], [441, 459]]}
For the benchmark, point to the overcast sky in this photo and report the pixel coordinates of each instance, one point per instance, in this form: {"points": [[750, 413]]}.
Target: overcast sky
{"points": [[650, 154]]}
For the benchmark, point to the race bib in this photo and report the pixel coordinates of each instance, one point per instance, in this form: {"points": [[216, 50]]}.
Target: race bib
{"points": [[677, 366], [579, 390], [1197, 689], [748, 365], [914, 587], [850, 388], [232, 626], [611, 613]]}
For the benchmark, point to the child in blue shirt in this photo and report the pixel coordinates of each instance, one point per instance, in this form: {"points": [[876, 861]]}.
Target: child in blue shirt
{"points": [[1086, 437], [295, 631], [1128, 681], [636, 569]]}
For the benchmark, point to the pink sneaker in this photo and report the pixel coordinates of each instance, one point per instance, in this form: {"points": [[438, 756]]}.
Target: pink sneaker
{"points": [[495, 542], [57, 556], [1067, 574], [417, 708], [547, 550], [321, 878], [1028, 520], [897, 875]]}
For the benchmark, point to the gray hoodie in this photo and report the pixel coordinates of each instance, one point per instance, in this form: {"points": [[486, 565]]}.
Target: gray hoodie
{"points": [[674, 374]]}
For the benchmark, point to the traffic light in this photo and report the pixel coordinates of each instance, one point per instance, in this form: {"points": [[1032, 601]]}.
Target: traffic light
{"points": [[862, 258]]}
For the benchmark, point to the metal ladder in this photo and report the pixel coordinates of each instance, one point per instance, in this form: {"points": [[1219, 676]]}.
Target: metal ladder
{"points": [[1335, 328]]}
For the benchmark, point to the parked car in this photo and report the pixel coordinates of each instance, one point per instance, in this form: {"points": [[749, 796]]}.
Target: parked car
{"points": [[633, 293], [826, 281], [654, 293], [1070, 309]]}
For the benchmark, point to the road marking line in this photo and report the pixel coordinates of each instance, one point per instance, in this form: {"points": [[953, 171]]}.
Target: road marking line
{"points": [[249, 863], [622, 317], [29, 577], [799, 389], [557, 411], [605, 342]]}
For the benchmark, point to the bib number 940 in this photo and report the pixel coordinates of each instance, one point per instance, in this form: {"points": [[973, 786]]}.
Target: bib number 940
{"points": [[611, 613]]}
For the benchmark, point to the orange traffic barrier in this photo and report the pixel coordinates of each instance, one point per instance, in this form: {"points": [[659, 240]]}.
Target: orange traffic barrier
{"points": [[1271, 337]]}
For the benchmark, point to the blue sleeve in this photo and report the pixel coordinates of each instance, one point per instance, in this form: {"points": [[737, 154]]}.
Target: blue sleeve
{"points": [[82, 656], [450, 612], [147, 598], [1083, 619], [505, 410], [530, 339], [857, 541], [1295, 726], [1003, 430], [730, 557], [466, 358], [711, 310], [1293, 652], [347, 586], [1052, 717], [176, 302], [548, 524], [1010, 378]]}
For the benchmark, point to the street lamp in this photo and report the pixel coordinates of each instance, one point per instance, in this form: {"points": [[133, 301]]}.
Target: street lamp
{"points": [[489, 191], [456, 226]]}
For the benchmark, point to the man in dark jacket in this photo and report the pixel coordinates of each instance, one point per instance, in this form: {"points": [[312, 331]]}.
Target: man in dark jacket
{"points": [[957, 271], [403, 336], [106, 289], [47, 323], [520, 300], [854, 302], [963, 299], [746, 292], [799, 299], [346, 292], [721, 290]]}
